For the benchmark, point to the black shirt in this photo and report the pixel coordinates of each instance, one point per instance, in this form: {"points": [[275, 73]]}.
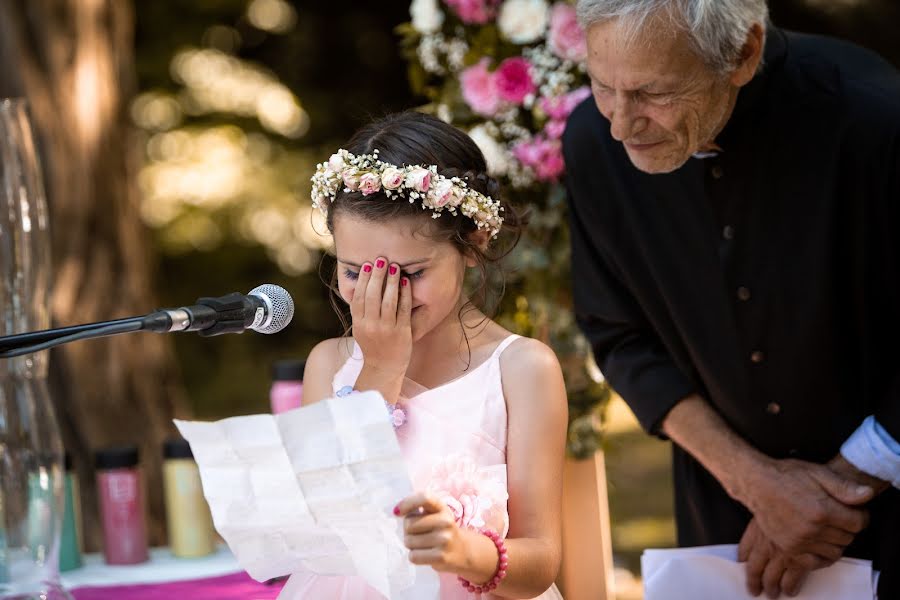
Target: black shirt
{"points": [[764, 279]]}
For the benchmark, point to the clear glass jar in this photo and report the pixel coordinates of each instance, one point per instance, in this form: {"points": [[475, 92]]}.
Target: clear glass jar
{"points": [[31, 453]]}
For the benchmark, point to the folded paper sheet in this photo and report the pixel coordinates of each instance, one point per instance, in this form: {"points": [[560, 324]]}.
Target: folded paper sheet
{"points": [[309, 490], [713, 573]]}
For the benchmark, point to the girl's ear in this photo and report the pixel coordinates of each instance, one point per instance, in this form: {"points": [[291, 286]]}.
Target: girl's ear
{"points": [[480, 239]]}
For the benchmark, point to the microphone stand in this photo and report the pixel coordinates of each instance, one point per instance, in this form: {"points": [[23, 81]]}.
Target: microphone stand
{"points": [[209, 317]]}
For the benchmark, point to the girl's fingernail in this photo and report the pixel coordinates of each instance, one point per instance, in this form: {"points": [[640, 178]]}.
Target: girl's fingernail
{"points": [[397, 510], [379, 263], [393, 270], [367, 268], [404, 281]]}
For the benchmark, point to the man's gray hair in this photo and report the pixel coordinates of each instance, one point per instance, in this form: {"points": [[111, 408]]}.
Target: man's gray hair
{"points": [[717, 28]]}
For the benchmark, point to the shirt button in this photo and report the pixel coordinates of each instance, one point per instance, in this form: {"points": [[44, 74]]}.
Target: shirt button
{"points": [[757, 356], [743, 293], [717, 172], [773, 408], [728, 232]]}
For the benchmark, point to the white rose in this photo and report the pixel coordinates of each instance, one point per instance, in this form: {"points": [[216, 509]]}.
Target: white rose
{"points": [[495, 155], [523, 21], [426, 16], [336, 162]]}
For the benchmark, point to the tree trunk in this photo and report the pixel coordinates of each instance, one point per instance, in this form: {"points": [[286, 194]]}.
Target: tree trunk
{"points": [[74, 61]]}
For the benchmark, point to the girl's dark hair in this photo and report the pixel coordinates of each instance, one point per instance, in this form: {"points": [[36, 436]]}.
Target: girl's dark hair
{"points": [[414, 138]]}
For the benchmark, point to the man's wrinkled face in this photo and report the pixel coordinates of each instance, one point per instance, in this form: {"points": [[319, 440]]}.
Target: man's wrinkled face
{"points": [[663, 103]]}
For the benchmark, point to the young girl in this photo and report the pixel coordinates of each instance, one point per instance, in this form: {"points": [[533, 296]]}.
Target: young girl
{"points": [[480, 414]]}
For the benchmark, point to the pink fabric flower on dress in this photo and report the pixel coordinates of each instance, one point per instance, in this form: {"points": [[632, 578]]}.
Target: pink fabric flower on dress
{"points": [[479, 89], [566, 36], [513, 80], [476, 12], [474, 495]]}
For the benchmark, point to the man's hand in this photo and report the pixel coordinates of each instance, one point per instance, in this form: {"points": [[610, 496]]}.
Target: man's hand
{"points": [[771, 570], [805, 508], [847, 471]]}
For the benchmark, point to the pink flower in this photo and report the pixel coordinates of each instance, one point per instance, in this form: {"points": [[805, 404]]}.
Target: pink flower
{"points": [[419, 179], [474, 11], [543, 156], [566, 36], [513, 80], [351, 179], [560, 107], [554, 128], [475, 495], [369, 183], [479, 89], [398, 417], [441, 193], [392, 178]]}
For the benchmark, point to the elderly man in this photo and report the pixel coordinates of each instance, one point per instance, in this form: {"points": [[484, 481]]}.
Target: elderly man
{"points": [[735, 194]]}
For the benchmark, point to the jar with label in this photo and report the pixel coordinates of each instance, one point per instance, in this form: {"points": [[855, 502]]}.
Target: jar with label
{"points": [[188, 519], [120, 490]]}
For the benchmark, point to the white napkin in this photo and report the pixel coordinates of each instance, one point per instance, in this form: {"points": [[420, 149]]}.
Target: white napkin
{"points": [[713, 573], [312, 489]]}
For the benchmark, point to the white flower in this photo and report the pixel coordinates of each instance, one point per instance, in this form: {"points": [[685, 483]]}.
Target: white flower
{"points": [[494, 153], [523, 21], [426, 16]]}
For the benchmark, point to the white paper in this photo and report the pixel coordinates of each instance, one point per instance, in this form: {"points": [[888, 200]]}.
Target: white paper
{"points": [[312, 489], [713, 573]]}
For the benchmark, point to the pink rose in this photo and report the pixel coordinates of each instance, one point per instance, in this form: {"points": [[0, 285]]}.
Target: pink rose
{"points": [[513, 80], [392, 178], [369, 183], [351, 179], [479, 89], [441, 193], [474, 11], [566, 36], [419, 179], [560, 107]]}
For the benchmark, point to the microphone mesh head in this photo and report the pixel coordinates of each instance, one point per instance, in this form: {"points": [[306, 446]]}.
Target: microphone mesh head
{"points": [[281, 303]]}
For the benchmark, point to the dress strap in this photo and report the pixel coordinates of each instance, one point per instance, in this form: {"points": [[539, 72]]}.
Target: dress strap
{"points": [[504, 345]]}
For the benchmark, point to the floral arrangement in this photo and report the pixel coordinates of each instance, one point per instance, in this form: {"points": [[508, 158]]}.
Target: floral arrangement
{"points": [[368, 174], [510, 72]]}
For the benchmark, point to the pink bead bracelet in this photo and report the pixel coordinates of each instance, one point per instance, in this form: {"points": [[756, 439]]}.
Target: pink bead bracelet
{"points": [[499, 574]]}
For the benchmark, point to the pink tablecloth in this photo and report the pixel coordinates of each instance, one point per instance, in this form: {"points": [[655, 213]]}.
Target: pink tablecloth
{"points": [[238, 586]]}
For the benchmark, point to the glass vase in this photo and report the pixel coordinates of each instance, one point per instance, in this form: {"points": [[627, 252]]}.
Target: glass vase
{"points": [[31, 452]]}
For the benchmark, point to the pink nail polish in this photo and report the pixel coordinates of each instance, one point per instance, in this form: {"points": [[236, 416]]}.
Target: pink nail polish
{"points": [[367, 268], [404, 282], [393, 270], [397, 510], [379, 263]]}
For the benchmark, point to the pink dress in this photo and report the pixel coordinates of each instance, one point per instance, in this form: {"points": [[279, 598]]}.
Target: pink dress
{"points": [[454, 441]]}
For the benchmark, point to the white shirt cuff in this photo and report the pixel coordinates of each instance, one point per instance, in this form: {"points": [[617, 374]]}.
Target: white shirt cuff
{"points": [[872, 450]]}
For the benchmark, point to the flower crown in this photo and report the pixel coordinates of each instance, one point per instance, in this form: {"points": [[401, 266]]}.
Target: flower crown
{"points": [[368, 174]]}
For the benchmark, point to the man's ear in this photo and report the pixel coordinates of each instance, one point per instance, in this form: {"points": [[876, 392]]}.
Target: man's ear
{"points": [[480, 239], [751, 55]]}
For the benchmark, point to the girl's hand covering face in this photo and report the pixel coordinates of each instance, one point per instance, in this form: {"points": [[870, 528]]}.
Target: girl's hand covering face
{"points": [[380, 308]]}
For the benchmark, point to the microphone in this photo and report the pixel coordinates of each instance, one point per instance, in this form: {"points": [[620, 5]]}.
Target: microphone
{"points": [[268, 308]]}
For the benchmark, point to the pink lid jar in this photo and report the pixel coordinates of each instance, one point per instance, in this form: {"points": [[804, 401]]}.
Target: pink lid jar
{"points": [[287, 385]]}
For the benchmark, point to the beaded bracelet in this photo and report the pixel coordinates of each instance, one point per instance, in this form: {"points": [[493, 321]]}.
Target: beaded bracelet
{"points": [[499, 574]]}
